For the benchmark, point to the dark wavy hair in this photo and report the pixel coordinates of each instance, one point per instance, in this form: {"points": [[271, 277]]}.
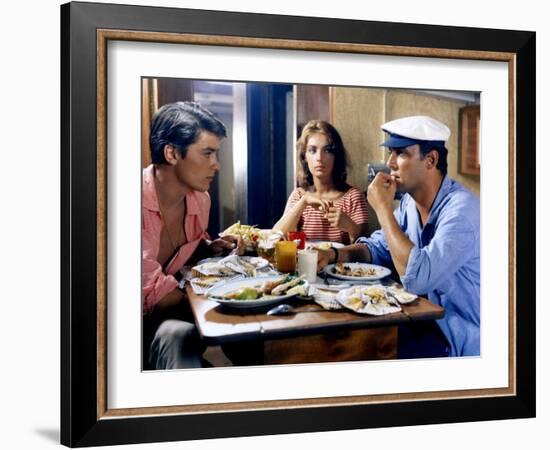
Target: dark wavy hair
{"points": [[179, 124], [339, 170]]}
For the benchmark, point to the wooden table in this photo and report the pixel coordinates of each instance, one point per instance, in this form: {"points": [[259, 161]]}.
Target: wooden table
{"points": [[316, 335]]}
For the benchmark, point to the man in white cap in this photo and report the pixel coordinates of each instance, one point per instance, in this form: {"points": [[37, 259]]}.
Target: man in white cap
{"points": [[432, 238]]}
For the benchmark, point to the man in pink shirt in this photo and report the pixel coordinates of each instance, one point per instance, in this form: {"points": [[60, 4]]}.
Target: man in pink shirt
{"points": [[184, 142]]}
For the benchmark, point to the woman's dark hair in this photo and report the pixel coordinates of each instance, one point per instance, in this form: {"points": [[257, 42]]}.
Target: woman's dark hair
{"points": [[339, 170], [427, 147], [179, 124]]}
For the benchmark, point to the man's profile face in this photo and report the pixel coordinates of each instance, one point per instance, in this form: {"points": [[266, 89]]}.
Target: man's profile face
{"points": [[197, 170], [407, 167]]}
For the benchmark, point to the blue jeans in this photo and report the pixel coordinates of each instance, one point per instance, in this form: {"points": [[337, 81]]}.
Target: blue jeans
{"points": [[421, 340]]}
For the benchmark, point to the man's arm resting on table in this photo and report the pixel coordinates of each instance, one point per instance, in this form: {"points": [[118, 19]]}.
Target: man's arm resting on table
{"points": [[399, 244], [354, 252]]}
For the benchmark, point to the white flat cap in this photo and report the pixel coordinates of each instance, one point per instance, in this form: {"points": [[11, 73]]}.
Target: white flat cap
{"points": [[410, 130]]}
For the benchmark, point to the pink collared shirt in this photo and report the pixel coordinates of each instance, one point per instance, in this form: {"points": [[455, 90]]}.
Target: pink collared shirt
{"points": [[156, 282]]}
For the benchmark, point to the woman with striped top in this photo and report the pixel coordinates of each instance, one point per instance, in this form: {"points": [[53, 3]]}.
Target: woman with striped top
{"points": [[324, 205]]}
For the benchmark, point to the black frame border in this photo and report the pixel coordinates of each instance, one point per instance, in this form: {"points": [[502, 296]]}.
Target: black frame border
{"points": [[79, 423]]}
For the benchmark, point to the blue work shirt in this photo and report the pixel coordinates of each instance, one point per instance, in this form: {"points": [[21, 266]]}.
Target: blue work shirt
{"points": [[444, 262]]}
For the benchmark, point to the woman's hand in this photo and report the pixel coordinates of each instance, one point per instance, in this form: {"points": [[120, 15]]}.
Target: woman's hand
{"points": [[337, 219], [316, 202], [226, 244]]}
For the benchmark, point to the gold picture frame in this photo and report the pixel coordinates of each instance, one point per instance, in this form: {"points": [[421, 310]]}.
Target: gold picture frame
{"points": [[86, 416]]}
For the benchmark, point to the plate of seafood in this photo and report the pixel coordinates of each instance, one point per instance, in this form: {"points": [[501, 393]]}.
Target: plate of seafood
{"points": [[258, 291], [372, 300], [355, 271]]}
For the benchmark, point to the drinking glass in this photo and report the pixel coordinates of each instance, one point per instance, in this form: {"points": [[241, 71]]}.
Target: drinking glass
{"points": [[307, 264], [285, 256]]}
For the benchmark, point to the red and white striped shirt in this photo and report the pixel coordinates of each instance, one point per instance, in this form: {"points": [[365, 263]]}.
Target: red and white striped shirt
{"points": [[317, 227]]}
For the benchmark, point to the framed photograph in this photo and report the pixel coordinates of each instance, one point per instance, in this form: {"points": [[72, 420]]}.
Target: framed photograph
{"points": [[259, 73]]}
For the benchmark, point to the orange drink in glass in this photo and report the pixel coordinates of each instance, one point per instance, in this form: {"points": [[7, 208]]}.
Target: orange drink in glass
{"points": [[285, 256]]}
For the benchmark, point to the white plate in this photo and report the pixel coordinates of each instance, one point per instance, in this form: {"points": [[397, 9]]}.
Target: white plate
{"points": [[257, 261], [323, 245], [200, 287], [381, 272], [245, 282], [357, 299]]}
